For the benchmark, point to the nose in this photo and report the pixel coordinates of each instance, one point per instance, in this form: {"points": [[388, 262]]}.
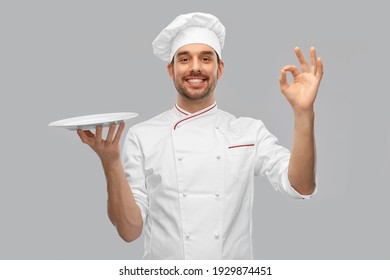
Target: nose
{"points": [[195, 66]]}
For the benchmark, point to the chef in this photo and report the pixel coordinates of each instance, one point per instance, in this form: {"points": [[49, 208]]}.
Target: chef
{"points": [[186, 177]]}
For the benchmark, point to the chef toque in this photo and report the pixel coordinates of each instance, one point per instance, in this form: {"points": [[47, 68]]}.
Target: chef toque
{"points": [[193, 28]]}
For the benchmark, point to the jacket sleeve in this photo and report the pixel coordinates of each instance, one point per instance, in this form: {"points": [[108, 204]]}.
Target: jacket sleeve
{"points": [[272, 160], [133, 165]]}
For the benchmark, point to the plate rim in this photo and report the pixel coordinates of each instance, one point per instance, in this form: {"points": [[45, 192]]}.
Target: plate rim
{"points": [[119, 118]]}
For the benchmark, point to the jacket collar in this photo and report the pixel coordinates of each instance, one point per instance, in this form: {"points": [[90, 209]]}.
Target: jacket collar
{"points": [[184, 115], [181, 113]]}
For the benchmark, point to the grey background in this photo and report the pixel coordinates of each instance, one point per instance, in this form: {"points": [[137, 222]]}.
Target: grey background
{"points": [[60, 59]]}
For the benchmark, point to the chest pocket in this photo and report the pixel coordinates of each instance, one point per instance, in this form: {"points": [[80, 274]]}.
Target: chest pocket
{"points": [[241, 148], [236, 144], [239, 161]]}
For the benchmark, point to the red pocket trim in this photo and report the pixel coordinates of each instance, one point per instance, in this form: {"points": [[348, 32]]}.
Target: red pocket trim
{"points": [[243, 145]]}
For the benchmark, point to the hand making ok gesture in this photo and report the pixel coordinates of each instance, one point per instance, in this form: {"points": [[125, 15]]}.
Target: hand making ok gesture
{"points": [[302, 91]]}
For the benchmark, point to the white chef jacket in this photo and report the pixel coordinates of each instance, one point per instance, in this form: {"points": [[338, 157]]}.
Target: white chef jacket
{"points": [[192, 175]]}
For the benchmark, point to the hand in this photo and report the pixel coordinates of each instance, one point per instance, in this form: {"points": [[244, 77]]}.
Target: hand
{"points": [[302, 92], [107, 150]]}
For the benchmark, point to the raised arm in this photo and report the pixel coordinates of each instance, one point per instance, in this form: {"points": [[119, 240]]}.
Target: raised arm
{"points": [[301, 94], [123, 211]]}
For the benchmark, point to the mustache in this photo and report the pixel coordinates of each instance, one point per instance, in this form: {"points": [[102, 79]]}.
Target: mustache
{"points": [[196, 74]]}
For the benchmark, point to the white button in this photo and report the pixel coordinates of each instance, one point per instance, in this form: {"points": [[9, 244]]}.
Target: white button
{"points": [[216, 236], [218, 156], [217, 127], [187, 236], [184, 194], [180, 158], [217, 194]]}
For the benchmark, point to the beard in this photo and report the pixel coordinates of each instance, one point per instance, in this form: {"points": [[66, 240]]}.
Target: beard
{"points": [[185, 90]]}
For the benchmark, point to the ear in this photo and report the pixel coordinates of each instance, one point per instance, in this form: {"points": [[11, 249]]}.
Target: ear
{"points": [[221, 67], [170, 70]]}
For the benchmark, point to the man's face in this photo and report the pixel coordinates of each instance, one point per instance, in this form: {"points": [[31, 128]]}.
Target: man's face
{"points": [[195, 71]]}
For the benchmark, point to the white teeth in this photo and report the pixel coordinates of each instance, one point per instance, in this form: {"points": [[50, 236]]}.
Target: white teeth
{"points": [[195, 81]]}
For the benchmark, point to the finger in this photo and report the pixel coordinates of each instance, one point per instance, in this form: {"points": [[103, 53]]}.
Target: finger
{"points": [[293, 69], [98, 137], [89, 133], [110, 133], [302, 60], [84, 137], [320, 69], [119, 133], [282, 78], [313, 60]]}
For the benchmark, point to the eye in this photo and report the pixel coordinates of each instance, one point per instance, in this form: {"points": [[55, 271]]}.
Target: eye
{"points": [[184, 59], [206, 59]]}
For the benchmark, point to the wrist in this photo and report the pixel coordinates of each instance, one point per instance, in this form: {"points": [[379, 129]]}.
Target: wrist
{"points": [[111, 163], [304, 112]]}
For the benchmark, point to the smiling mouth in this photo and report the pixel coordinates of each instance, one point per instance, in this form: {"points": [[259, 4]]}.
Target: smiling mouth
{"points": [[195, 81]]}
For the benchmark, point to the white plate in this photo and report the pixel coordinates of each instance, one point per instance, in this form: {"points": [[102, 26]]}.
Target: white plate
{"points": [[91, 121]]}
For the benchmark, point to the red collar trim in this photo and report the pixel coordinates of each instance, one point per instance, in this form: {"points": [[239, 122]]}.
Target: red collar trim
{"points": [[193, 116], [181, 111]]}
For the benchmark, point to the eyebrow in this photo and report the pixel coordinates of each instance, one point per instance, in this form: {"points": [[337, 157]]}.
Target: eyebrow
{"points": [[187, 52], [208, 52]]}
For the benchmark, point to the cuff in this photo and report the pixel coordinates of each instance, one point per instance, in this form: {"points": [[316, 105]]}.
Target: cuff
{"points": [[293, 193]]}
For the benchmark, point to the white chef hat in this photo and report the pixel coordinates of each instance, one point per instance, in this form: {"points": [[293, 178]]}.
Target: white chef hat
{"points": [[187, 29]]}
